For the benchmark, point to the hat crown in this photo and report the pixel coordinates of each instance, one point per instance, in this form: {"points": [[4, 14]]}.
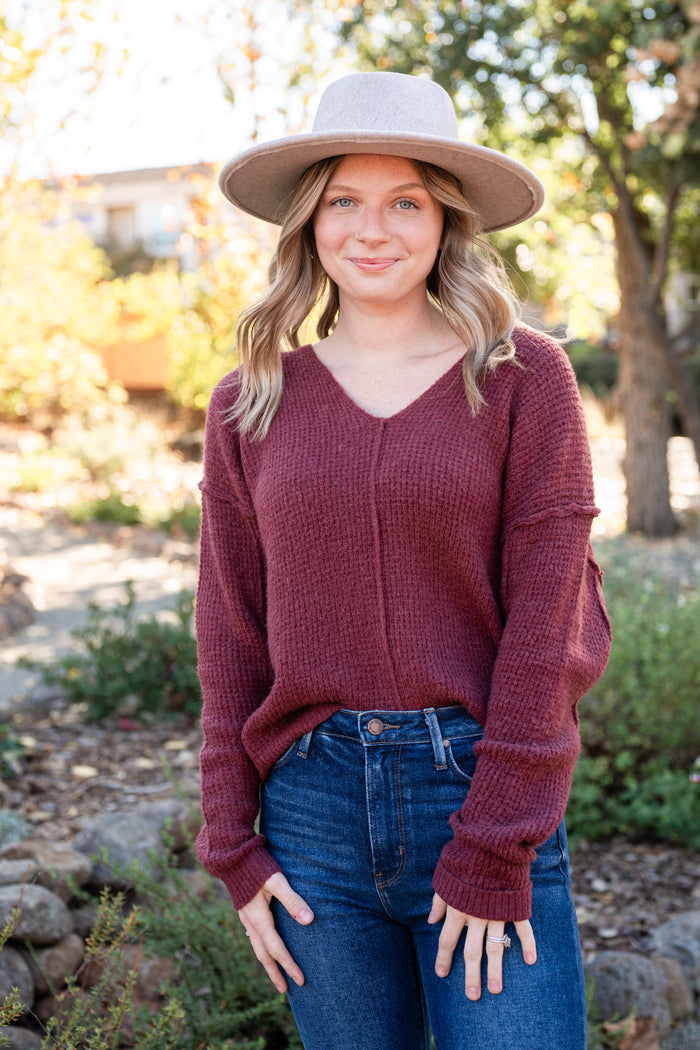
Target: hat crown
{"points": [[388, 103]]}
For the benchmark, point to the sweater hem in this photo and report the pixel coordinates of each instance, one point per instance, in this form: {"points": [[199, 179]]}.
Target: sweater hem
{"points": [[496, 905], [249, 877]]}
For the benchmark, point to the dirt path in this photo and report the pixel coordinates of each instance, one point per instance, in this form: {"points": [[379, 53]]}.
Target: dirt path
{"points": [[67, 568]]}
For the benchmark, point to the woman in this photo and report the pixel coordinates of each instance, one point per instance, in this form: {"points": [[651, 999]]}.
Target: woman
{"points": [[398, 607]]}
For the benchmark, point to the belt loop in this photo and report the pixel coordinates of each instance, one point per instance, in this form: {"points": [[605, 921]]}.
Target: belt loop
{"points": [[431, 718], [304, 744]]}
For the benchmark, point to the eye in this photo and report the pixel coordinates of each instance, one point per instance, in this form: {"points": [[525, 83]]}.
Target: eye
{"points": [[341, 202], [406, 204]]}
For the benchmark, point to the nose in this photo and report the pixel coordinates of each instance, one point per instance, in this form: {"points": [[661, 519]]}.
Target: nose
{"points": [[372, 227]]}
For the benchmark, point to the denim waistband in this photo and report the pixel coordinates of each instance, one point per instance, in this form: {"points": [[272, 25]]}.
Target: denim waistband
{"points": [[380, 728]]}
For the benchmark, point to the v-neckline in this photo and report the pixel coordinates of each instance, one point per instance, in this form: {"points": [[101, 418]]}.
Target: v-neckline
{"points": [[344, 396]]}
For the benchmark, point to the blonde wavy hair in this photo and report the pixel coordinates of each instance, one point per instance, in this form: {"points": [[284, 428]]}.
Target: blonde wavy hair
{"points": [[468, 284]]}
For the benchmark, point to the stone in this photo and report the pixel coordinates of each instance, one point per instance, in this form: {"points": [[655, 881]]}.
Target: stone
{"points": [[121, 839], [14, 973], [625, 984], [58, 868], [44, 917], [50, 966], [679, 938], [678, 991], [179, 819], [21, 1038], [84, 919]]}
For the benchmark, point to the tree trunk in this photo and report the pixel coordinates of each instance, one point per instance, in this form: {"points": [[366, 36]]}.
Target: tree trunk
{"points": [[643, 394]]}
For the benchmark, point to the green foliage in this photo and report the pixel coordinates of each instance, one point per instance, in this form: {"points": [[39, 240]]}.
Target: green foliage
{"points": [[11, 1007], [97, 1017], [226, 998], [146, 665], [185, 518], [11, 749], [595, 367], [50, 274], [639, 725], [219, 998], [201, 339], [116, 508]]}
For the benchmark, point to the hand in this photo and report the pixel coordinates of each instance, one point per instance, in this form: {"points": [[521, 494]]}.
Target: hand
{"points": [[477, 929], [267, 944]]}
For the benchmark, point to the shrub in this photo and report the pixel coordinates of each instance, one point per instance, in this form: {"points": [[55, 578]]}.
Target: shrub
{"points": [[11, 749], [226, 998], [113, 508], [639, 725], [146, 665]]}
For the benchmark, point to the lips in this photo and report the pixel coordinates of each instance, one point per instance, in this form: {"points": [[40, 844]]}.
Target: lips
{"points": [[373, 265]]}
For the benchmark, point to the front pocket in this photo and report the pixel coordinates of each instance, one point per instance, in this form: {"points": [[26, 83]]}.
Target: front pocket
{"points": [[461, 760], [285, 756]]}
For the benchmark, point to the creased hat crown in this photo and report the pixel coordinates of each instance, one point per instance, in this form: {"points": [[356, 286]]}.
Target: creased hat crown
{"points": [[390, 102]]}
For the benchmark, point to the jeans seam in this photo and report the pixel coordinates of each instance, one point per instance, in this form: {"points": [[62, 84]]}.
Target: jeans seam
{"points": [[401, 822]]}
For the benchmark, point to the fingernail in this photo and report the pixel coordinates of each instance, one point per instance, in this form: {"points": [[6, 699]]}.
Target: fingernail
{"points": [[530, 958], [441, 971], [305, 915], [494, 987], [472, 993]]}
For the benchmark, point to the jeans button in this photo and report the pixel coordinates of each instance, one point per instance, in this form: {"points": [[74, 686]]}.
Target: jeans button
{"points": [[375, 726]]}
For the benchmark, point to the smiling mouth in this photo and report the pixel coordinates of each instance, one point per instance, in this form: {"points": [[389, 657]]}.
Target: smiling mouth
{"points": [[373, 265]]}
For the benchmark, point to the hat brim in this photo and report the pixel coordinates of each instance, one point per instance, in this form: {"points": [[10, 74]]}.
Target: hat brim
{"points": [[501, 190]]}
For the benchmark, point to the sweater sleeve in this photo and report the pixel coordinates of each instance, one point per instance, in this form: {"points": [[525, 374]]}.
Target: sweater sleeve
{"points": [[554, 646], [233, 665]]}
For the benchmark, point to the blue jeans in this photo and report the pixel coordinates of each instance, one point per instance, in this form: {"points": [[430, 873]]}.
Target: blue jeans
{"points": [[356, 814]]}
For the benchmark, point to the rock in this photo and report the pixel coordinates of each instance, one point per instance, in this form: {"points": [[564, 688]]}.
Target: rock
{"points": [[12, 826], [123, 839], [21, 1038], [678, 991], [44, 918], [84, 919], [177, 818], [16, 608], [625, 984], [15, 872], [14, 973], [58, 868], [679, 938], [50, 966]]}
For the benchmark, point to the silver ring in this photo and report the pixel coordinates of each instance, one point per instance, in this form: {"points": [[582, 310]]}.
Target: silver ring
{"points": [[247, 934], [504, 940]]}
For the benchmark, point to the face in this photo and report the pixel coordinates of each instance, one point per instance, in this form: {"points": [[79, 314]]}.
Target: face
{"points": [[377, 229]]}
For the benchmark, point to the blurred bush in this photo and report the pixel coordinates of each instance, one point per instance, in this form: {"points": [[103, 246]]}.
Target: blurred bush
{"points": [[639, 725], [52, 310], [130, 665]]}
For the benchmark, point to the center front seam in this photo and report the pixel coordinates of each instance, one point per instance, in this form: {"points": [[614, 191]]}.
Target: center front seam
{"points": [[385, 817], [378, 576]]}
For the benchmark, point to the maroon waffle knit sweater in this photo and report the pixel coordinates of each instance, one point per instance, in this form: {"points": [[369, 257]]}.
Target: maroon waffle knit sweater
{"points": [[433, 558]]}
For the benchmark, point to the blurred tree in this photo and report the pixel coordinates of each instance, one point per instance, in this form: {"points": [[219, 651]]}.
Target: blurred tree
{"points": [[620, 81]]}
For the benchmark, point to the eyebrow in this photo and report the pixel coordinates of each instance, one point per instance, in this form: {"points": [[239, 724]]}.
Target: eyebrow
{"points": [[335, 187]]}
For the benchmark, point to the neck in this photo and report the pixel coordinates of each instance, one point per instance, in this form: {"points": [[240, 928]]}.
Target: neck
{"points": [[373, 334]]}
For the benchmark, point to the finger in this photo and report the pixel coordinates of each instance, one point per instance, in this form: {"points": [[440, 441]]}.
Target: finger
{"points": [[527, 941], [437, 910], [267, 959], [494, 957], [473, 951], [449, 936], [293, 902]]}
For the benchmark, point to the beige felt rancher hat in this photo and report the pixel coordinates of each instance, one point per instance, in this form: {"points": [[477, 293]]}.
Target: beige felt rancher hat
{"points": [[388, 113]]}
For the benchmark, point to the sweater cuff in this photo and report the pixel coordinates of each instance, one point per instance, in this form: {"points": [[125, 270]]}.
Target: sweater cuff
{"points": [[249, 876], [498, 905]]}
